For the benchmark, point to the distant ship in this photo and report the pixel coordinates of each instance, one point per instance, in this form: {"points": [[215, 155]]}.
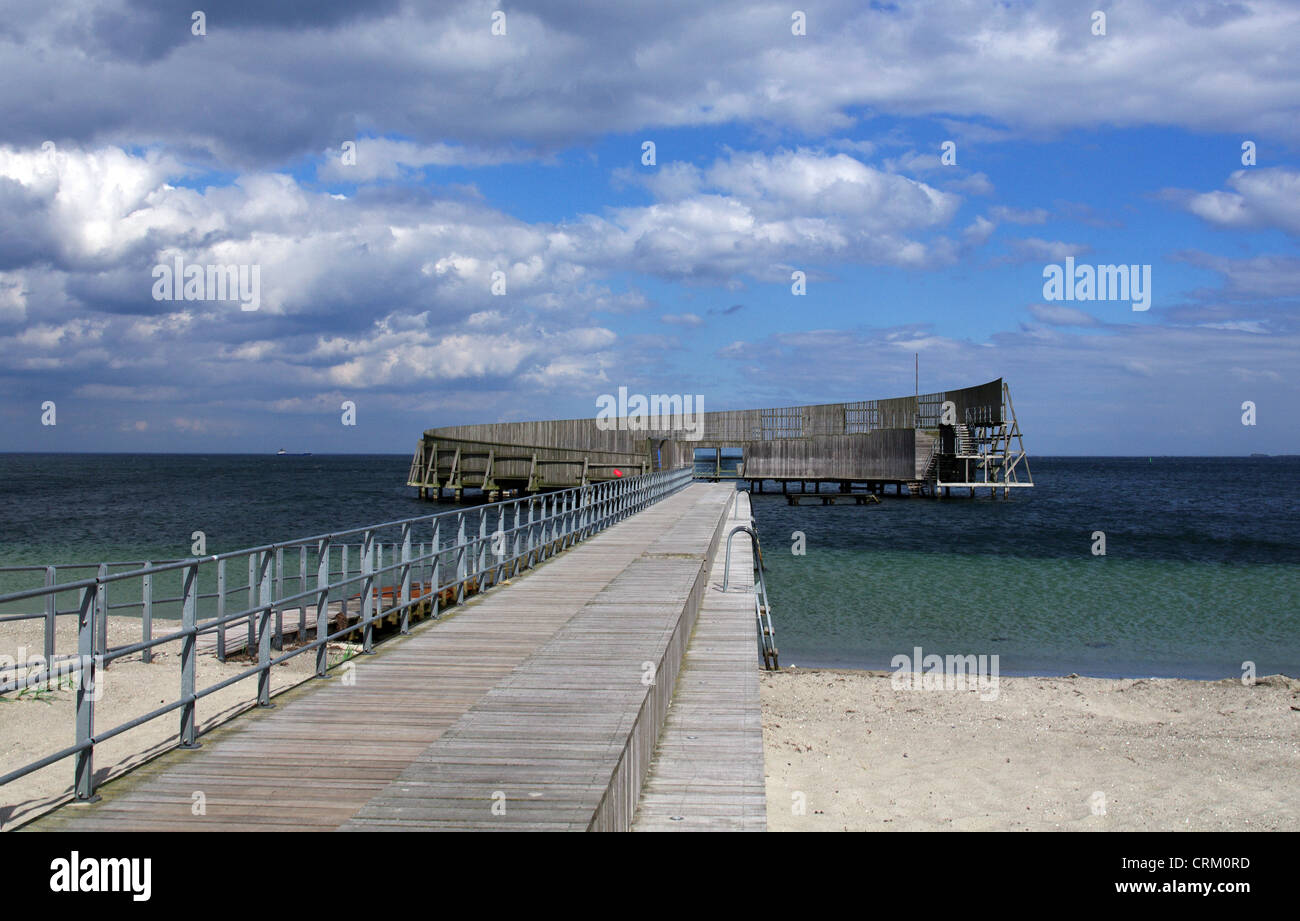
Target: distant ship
{"points": [[283, 453]]}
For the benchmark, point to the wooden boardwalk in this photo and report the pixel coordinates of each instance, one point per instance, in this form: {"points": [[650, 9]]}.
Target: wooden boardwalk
{"points": [[708, 770], [537, 706]]}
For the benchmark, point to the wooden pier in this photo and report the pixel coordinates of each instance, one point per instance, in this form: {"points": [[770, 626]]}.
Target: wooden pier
{"points": [[538, 705]]}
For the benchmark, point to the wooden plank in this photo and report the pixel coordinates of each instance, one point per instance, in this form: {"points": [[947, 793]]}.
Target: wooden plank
{"points": [[708, 769]]}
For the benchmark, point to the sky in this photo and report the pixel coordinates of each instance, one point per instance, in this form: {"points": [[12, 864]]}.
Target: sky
{"points": [[485, 211]]}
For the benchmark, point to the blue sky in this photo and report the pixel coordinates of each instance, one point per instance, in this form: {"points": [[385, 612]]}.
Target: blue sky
{"points": [[522, 154]]}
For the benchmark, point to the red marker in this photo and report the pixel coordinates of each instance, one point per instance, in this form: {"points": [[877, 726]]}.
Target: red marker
{"points": [[618, 472]]}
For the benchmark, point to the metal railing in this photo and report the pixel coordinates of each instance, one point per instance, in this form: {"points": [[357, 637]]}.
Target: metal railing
{"points": [[768, 655], [422, 573]]}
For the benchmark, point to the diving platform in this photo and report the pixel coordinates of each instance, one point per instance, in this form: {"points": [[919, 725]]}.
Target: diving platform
{"points": [[922, 445]]}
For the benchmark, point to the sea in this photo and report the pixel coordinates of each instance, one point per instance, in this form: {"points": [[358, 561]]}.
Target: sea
{"points": [[1200, 572]]}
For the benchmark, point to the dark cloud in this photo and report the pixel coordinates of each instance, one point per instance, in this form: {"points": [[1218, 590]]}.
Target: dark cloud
{"points": [[272, 81]]}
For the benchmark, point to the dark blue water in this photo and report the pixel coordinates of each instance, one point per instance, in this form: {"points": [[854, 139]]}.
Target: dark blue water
{"points": [[1201, 573], [90, 507]]}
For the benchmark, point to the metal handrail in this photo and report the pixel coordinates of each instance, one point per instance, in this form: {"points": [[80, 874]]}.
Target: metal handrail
{"points": [[929, 461], [768, 654], [418, 580]]}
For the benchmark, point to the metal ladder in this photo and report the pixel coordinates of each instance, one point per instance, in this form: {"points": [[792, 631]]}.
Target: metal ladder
{"points": [[768, 654]]}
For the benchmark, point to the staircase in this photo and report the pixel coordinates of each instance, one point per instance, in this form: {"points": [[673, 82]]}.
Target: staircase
{"points": [[927, 454], [965, 441]]}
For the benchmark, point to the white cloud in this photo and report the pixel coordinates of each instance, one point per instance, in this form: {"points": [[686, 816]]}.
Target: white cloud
{"points": [[1007, 215], [1060, 315], [1260, 197], [1033, 249]]}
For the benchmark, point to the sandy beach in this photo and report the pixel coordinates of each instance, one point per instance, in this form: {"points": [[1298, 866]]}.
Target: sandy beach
{"points": [[1047, 754], [34, 725]]}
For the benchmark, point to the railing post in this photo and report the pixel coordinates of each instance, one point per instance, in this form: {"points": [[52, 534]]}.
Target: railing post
{"points": [[322, 605], [367, 592], [264, 631], [462, 565], [252, 604], [421, 571], [536, 529], [84, 762], [566, 520], [51, 612], [502, 552], [101, 610], [221, 610], [435, 576], [481, 557], [343, 581], [302, 587], [406, 578], [378, 570], [278, 642], [530, 543], [189, 654], [516, 539]]}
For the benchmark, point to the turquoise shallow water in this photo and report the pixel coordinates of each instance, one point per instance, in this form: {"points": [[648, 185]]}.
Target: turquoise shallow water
{"points": [[1202, 570], [1104, 617], [1193, 582]]}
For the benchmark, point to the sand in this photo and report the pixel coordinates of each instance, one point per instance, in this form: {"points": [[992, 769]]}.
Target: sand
{"points": [[1047, 754], [32, 726]]}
